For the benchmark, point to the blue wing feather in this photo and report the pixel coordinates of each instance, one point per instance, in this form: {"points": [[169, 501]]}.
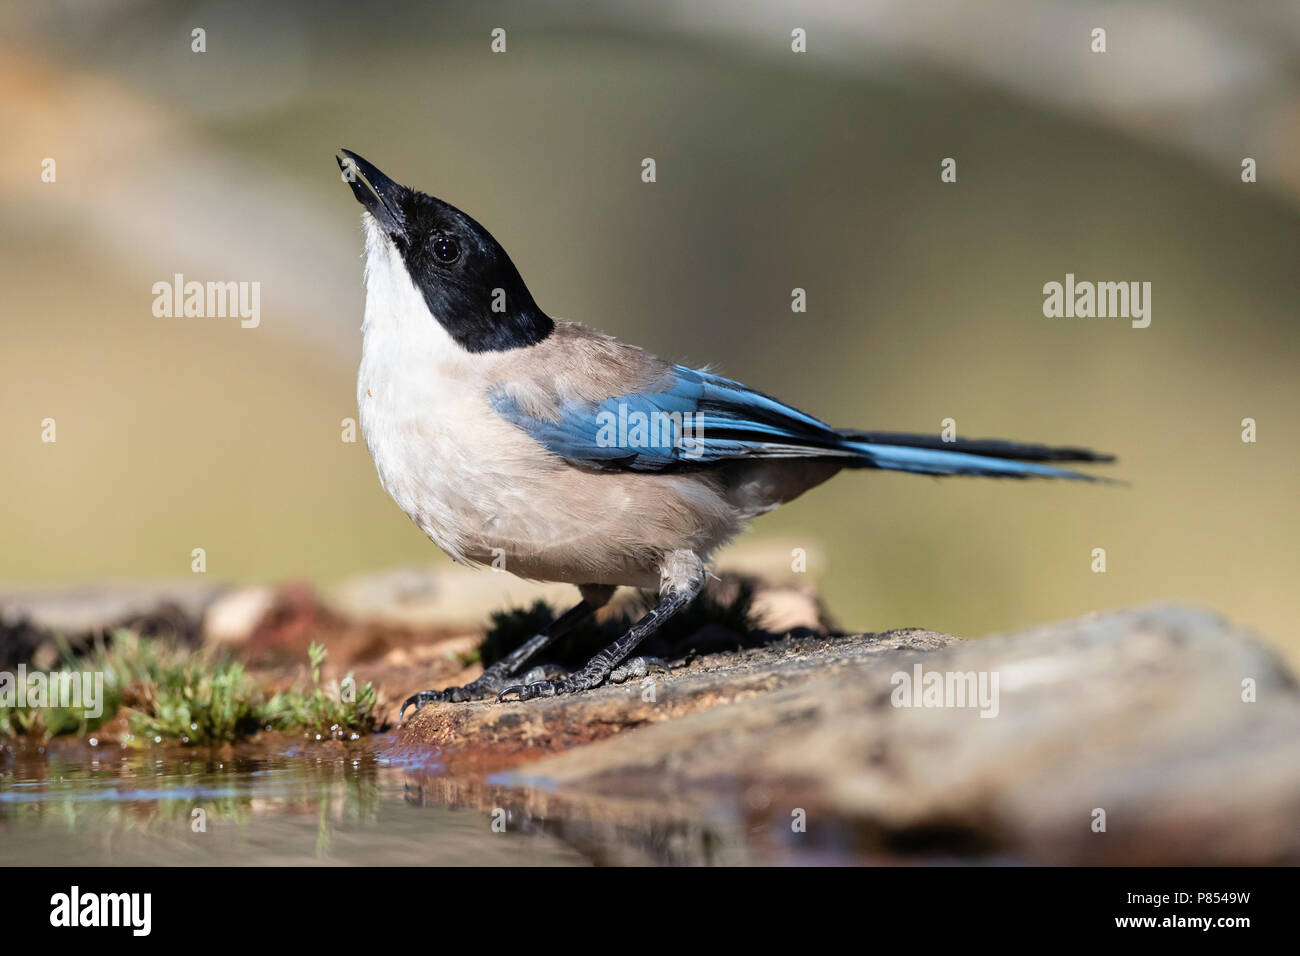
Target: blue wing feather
{"points": [[695, 418], [711, 419]]}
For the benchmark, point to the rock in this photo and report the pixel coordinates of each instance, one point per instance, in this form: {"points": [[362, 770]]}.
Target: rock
{"points": [[30, 620], [445, 596], [231, 619], [781, 610], [1135, 719], [294, 619], [487, 733], [80, 610]]}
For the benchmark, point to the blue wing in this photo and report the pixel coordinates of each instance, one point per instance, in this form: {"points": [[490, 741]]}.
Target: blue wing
{"points": [[695, 418]]}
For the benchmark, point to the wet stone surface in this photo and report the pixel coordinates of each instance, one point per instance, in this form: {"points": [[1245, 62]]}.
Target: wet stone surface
{"points": [[1158, 735], [500, 733]]}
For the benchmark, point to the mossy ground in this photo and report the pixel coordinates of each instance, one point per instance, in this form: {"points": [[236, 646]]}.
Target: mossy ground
{"points": [[160, 689], [157, 689]]}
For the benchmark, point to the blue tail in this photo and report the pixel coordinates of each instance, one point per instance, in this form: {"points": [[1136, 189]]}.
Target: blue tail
{"points": [[993, 458]]}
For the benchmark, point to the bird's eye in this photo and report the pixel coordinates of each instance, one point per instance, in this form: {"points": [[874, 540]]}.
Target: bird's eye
{"points": [[445, 250]]}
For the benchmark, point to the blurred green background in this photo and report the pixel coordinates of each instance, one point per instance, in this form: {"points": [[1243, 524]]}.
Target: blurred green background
{"points": [[775, 170]]}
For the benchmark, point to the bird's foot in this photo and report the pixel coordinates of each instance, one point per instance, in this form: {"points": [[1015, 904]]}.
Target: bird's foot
{"points": [[584, 679], [593, 675], [474, 690], [487, 685], [490, 684], [599, 667], [636, 668], [544, 672]]}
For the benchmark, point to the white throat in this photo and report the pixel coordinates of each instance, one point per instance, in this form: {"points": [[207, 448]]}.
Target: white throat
{"points": [[405, 351], [392, 300]]}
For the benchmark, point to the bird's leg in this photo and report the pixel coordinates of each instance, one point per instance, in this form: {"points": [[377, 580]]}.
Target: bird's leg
{"points": [[599, 667], [682, 582], [494, 678]]}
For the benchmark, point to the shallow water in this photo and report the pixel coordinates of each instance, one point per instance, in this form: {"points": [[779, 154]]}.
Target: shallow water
{"points": [[309, 804], [364, 802]]}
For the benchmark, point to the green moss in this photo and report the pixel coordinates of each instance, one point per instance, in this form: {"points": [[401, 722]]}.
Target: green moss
{"points": [[175, 694]]}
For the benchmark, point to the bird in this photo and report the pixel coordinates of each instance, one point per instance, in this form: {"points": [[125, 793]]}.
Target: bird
{"points": [[559, 453]]}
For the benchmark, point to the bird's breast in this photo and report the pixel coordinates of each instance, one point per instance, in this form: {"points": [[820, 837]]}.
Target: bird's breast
{"points": [[484, 491], [419, 424]]}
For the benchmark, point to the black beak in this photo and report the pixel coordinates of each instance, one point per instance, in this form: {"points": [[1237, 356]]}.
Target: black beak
{"points": [[379, 194]]}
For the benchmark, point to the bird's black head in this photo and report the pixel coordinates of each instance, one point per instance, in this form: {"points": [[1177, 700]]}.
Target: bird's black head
{"points": [[468, 281]]}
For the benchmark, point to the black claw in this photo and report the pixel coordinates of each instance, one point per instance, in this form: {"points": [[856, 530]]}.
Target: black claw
{"points": [[548, 688], [480, 689], [419, 700], [538, 688]]}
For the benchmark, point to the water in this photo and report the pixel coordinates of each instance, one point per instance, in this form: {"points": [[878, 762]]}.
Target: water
{"points": [[367, 802], [309, 804]]}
